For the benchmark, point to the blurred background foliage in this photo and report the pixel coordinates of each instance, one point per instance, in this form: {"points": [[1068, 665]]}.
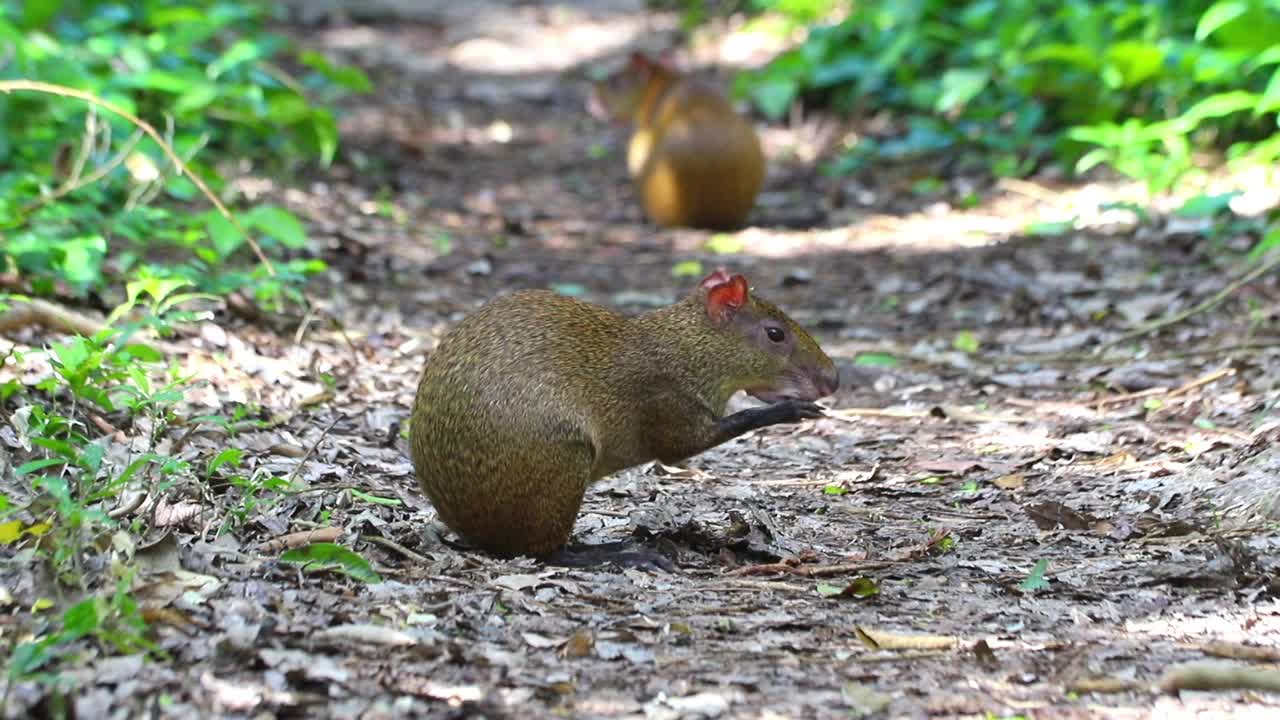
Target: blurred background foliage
{"points": [[1155, 90], [223, 90]]}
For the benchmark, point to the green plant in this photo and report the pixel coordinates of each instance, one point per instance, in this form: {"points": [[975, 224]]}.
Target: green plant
{"points": [[81, 187], [114, 621], [1138, 86]]}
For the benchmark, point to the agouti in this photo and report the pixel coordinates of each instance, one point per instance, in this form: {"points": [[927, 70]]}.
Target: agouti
{"points": [[534, 396], [694, 161]]}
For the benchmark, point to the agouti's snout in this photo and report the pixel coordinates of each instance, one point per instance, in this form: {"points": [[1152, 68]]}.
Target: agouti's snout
{"points": [[828, 382]]}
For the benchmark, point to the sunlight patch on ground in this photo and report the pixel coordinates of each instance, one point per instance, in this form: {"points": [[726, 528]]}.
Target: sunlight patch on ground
{"points": [[1016, 208], [1234, 625]]}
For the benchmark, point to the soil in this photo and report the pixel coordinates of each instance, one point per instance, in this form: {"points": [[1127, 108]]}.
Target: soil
{"points": [[1001, 516]]}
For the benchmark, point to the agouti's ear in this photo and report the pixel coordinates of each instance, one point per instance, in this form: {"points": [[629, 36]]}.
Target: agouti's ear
{"points": [[719, 277], [726, 299]]}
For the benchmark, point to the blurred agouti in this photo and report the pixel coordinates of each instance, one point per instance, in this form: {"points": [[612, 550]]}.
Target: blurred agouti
{"points": [[694, 161], [536, 395]]}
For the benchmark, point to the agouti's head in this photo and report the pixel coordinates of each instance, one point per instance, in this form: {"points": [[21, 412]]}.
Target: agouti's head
{"points": [[618, 97], [768, 354]]}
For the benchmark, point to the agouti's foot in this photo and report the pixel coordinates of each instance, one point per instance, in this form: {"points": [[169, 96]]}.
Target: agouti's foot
{"points": [[793, 411], [623, 554]]}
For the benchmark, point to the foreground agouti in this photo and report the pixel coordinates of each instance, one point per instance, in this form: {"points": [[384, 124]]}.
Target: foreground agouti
{"points": [[694, 161], [536, 395]]}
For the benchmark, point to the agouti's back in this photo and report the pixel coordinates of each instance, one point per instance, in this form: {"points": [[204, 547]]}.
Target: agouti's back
{"points": [[534, 396], [694, 160]]}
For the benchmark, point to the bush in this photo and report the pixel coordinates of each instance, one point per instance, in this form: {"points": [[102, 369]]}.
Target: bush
{"points": [[1139, 86], [81, 183]]}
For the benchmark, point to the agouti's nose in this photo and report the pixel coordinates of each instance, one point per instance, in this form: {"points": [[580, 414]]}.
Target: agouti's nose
{"points": [[829, 381]]}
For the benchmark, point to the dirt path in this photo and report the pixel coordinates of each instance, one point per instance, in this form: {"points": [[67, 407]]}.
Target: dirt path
{"points": [[1010, 534]]}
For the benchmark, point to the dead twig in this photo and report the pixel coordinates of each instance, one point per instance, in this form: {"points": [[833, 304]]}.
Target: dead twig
{"points": [[33, 311], [1237, 651], [311, 451], [1204, 380], [298, 539], [1217, 675], [810, 570], [395, 547]]}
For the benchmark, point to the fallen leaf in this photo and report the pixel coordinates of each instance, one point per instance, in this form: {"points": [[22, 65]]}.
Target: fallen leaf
{"points": [[881, 640], [1013, 481]]}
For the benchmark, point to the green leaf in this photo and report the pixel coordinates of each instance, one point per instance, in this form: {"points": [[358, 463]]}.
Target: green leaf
{"points": [[725, 244], [1269, 242], [1206, 206], [229, 456], [1135, 61], [859, 587], [351, 78], [875, 359], [225, 237], [959, 86], [1220, 105], [329, 556], [80, 620], [1270, 99], [374, 498], [966, 342], [1036, 580], [1218, 15], [688, 268], [834, 490], [1270, 56], [242, 51], [195, 96], [1051, 228], [774, 96], [279, 224], [325, 128]]}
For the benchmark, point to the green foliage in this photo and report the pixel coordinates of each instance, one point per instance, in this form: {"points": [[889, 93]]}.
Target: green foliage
{"points": [[1137, 86], [318, 557], [57, 511], [1036, 580], [114, 621], [104, 374], [86, 198]]}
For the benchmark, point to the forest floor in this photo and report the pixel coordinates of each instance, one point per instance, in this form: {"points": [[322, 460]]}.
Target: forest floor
{"points": [[1000, 517]]}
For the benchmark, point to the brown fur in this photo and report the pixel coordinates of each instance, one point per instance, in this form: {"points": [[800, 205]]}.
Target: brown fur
{"points": [[535, 396], [695, 161]]}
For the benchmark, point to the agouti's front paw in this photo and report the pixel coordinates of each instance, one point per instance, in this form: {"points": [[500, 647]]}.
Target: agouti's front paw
{"points": [[793, 411]]}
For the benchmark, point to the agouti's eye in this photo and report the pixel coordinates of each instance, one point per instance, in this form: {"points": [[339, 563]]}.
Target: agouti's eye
{"points": [[775, 334]]}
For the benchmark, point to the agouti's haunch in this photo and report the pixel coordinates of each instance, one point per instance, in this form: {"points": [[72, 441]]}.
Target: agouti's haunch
{"points": [[535, 396], [695, 161]]}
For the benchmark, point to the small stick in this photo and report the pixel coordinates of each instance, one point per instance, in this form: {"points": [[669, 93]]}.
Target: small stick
{"points": [[397, 547], [298, 539]]}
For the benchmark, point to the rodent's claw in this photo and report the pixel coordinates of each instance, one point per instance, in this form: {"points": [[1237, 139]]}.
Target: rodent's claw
{"points": [[796, 410], [811, 411]]}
